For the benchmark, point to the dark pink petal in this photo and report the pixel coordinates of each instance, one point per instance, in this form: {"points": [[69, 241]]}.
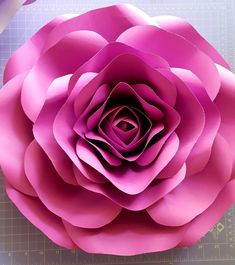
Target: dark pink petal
{"points": [[177, 51], [225, 101], [190, 127], [43, 129], [62, 59], [15, 135], [191, 197], [115, 49], [131, 233], [131, 179], [76, 205], [154, 192], [170, 121], [88, 121], [109, 22], [25, 57], [181, 27], [199, 226], [118, 71], [50, 224], [111, 133], [201, 151], [65, 118]]}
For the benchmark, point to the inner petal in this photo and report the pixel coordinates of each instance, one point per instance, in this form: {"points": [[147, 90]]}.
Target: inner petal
{"points": [[125, 141], [125, 125]]}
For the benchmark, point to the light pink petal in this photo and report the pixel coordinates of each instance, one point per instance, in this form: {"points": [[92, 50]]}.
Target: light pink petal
{"points": [[43, 129], [25, 57], [197, 192], [203, 223], [76, 205], [15, 135], [64, 58], [177, 51], [200, 153], [131, 179], [225, 101], [131, 233], [109, 22], [50, 224], [181, 27], [154, 192]]}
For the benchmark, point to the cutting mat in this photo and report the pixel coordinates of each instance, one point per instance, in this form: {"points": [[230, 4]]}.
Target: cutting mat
{"points": [[20, 242]]}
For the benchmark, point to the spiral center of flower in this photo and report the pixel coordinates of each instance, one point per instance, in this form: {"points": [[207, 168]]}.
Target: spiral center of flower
{"points": [[125, 126]]}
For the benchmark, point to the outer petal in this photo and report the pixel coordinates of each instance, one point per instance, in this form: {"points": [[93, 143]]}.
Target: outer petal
{"points": [[79, 207], [177, 51], [109, 22], [181, 27], [15, 135], [191, 197], [205, 221], [62, 59], [24, 58], [201, 151], [43, 129], [189, 129], [41, 217], [225, 101], [131, 233]]}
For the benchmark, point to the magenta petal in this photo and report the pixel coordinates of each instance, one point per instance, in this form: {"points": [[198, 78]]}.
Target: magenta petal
{"points": [[133, 232], [177, 51], [201, 151], [43, 129], [89, 119], [132, 179], [138, 202], [15, 135], [203, 223], [114, 49], [50, 224], [191, 197], [24, 58], [225, 101], [65, 118], [190, 127], [64, 58], [181, 27], [74, 204], [109, 22]]}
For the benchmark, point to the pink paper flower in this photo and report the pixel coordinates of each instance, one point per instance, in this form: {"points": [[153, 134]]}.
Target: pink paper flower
{"points": [[117, 132], [8, 8]]}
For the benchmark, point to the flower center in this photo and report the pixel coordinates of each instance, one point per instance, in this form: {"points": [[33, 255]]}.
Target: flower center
{"points": [[125, 126]]}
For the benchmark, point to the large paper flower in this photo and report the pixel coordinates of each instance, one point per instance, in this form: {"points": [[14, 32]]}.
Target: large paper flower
{"points": [[117, 132], [8, 8]]}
